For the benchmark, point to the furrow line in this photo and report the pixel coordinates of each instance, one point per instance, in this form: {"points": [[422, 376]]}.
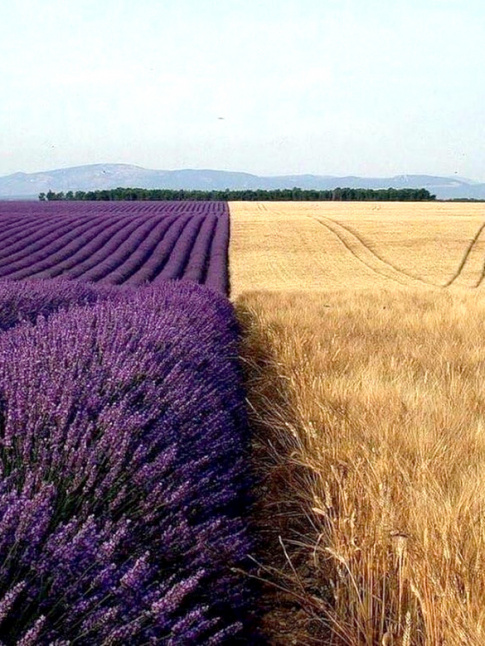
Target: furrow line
{"points": [[161, 253], [217, 276], [387, 271], [174, 267], [39, 238], [198, 262], [28, 259], [466, 256], [103, 246], [393, 267], [78, 249], [118, 253], [136, 259]]}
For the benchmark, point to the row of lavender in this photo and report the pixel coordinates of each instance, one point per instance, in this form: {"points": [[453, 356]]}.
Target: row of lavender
{"points": [[123, 476], [116, 243], [124, 208]]}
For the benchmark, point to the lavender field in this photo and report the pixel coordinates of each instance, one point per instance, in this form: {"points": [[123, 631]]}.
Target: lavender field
{"points": [[123, 438], [116, 242]]}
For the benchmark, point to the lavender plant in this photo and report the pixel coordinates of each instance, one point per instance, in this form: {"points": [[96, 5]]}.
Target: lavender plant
{"points": [[103, 254], [139, 254], [116, 243], [199, 258], [27, 300], [174, 267], [162, 252], [123, 469]]}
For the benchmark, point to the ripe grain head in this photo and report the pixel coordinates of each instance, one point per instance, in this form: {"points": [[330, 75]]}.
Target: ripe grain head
{"points": [[370, 438]]}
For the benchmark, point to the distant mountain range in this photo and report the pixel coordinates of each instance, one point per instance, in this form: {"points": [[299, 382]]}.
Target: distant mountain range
{"points": [[104, 176]]}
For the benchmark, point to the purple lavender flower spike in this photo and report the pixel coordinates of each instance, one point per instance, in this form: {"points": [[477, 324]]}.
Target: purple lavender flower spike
{"points": [[123, 466]]}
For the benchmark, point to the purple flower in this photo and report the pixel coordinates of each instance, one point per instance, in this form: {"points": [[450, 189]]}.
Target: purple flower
{"points": [[123, 467], [123, 243]]}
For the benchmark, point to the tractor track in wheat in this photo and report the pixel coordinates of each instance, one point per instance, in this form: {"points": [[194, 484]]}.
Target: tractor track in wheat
{"points": [[359, 249], [464, 261]]}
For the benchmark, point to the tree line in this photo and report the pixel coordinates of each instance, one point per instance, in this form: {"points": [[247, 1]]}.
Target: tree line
{"points": [[281, 195]]}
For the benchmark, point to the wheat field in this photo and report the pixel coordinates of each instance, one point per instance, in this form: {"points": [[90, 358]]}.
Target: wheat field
{"points": [[327, 245], [364, 359]]}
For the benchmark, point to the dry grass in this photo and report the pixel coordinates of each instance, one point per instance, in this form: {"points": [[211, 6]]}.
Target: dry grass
{"points": [[370, 423], [365, 358], [323, 245]]}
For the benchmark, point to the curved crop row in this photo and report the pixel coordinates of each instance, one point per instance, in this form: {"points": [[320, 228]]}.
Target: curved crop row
{"points": [[13, 228], [124, 471], [200, 254], [174, 267], [161, 253], [50, 254], [123, 208], [115, 254], [116, 242], [217, 276], [136, 251], [141, 253], [87, 244], [102, 246], [38, 238]]}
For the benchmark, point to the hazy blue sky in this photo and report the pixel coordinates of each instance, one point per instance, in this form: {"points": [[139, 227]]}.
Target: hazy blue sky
{"points": [[365, 87]]}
